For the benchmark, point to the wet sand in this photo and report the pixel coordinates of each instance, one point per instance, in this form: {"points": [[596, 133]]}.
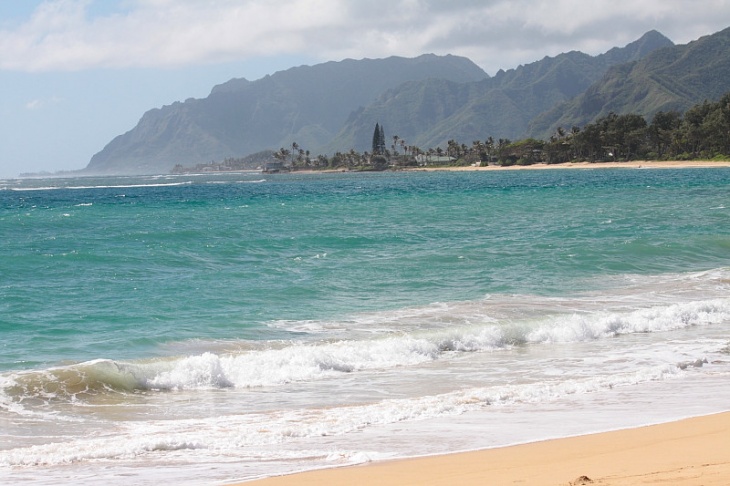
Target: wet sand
{"points": [[689, 452]]}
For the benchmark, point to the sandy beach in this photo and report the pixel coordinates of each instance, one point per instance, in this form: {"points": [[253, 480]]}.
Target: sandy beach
{"points": [[689, 452], [635, 164]]}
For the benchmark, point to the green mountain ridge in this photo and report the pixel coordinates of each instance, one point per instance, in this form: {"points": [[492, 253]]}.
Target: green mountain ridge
{"points": [[668, 79], [426, 101], [306, 104], [429, 113]]}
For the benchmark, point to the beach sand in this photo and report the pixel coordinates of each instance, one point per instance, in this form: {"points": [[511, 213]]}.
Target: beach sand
{"points": [[694, 452], [634, 164]]}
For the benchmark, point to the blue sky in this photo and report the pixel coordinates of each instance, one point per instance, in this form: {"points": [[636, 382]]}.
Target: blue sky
{"points": [[76, 73]]}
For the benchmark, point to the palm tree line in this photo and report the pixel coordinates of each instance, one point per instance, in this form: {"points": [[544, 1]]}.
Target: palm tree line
{"points": [[702, 132]]}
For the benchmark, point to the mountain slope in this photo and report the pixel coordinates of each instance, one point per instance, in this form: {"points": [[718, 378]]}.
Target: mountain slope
{"points": [[430, 112], [426, 101], [306, 104], [673, 78]]}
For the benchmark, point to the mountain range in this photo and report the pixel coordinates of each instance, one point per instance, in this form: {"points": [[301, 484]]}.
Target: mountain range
{"points": [[426, 100], [671, 79]]}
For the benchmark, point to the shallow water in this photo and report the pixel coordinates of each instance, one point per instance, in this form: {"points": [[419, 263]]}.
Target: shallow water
{"points": [[218, 327]]}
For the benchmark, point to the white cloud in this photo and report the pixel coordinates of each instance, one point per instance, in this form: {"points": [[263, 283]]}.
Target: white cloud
{"points": [[73, 35], [40, 103], [34, 104]]}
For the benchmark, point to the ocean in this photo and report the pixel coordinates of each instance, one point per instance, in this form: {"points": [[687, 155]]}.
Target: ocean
{"points": [[212, 328]]}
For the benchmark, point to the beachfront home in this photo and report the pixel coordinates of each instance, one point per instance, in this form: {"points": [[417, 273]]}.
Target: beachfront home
{"points": [[273, 167], [425, 159]]}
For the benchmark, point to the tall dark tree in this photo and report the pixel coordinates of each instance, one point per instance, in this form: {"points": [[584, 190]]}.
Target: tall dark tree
{"points": [[661, 131], [378, 140], [376, 134]]}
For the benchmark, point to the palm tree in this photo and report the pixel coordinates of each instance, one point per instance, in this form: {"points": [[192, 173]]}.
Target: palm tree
{"points": [[294, 150], [477, 148], [489, 144], [452, 148], [281, 154]]}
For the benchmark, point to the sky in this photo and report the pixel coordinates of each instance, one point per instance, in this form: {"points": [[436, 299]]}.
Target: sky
{"points": [[74, 74]]}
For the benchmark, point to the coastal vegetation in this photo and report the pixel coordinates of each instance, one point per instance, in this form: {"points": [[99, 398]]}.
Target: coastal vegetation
{"points": [[701, 133]]}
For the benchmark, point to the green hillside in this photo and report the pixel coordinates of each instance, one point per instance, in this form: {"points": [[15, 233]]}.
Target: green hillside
{"points": [[306, 104], [425, 101], [431, 112], [673, 78]]}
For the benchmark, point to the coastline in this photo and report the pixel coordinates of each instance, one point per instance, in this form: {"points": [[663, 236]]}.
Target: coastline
{"points": [[634, 164], [688, 452]]}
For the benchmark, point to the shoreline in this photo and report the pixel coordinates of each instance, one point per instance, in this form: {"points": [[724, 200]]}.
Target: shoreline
{"points": [[634, 164], [687, 452]]}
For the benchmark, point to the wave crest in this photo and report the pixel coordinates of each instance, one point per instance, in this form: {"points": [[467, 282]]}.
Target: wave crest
{"points": [[301, 362]]}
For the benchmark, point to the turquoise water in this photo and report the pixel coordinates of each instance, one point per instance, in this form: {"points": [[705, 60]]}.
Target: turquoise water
{"points": [[210, 286], [116, 271]]}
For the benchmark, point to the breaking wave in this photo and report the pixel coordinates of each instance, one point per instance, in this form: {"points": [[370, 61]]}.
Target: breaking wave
{"points": [[278, 363]]}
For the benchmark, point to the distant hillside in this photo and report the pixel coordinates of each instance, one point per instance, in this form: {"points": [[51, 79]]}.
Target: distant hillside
{"points": [[426, 101], [431, 112], [673, 78], [307, 104]]}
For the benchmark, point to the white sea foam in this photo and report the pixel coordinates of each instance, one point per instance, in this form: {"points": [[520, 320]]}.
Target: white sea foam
{"points": [[101, 186], [582, 327], [257, 181], [471, 357], [293, 433], [226, 435], [317, 360]]}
